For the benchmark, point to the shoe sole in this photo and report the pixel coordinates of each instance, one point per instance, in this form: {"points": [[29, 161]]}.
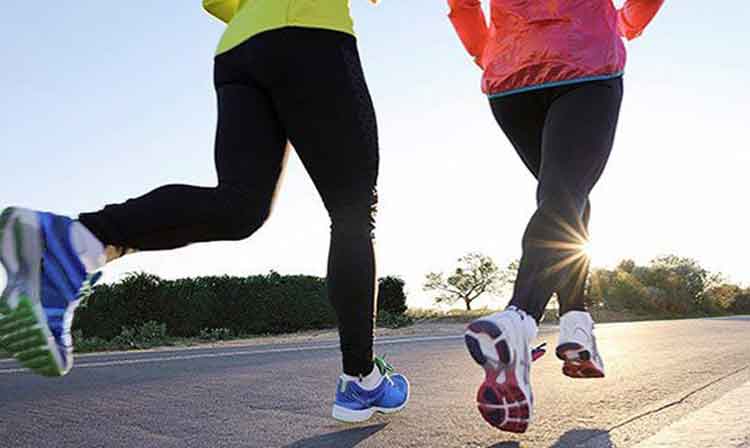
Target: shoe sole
{"points": [[500, 400], [577, 361], [347, 415], [24, 333]]}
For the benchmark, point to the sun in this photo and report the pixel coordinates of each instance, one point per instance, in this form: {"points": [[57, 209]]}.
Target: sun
{"points": [[588, 249]]}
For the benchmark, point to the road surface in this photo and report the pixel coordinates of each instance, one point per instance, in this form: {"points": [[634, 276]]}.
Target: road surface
{"points": [[669, 383]]}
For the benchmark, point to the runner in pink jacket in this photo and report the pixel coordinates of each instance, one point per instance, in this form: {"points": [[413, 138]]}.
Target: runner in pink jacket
{"points": [[553, 73], [533, 44]]}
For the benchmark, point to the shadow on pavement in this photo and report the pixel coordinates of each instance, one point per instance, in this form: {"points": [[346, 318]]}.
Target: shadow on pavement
{"points": [[584, 437], [341, 439], [571, 439], [507, 445]]}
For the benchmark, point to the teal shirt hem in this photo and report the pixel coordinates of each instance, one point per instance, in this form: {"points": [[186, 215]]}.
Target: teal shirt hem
{"points": [[555, 84]]}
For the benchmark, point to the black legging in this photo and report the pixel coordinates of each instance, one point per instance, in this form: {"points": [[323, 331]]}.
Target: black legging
{"points": [[300, 85], [564, 136]]}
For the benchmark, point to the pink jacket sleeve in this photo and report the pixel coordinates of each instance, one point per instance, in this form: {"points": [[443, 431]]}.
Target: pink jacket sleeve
{"points": [[635, 15], [468, 19]]}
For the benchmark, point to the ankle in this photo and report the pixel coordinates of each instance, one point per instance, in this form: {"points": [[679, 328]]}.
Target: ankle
{"points": [[528, 323], [112, 253], [89, 249], [368, 382]]}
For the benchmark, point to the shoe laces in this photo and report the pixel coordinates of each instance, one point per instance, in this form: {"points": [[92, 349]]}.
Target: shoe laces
{"points": [[521, 313], [87, 288], [538, 351], [385, 368]]}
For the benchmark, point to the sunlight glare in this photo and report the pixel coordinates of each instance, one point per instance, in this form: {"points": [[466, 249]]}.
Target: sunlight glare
{"points": [[588, 249]]}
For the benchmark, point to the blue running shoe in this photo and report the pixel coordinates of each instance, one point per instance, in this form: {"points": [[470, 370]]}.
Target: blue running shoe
{"points": [[45, 283], [355, 404]]}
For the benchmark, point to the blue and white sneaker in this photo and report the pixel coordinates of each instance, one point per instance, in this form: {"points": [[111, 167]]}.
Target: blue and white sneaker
{"points": [[45, 282], [355, 404]]}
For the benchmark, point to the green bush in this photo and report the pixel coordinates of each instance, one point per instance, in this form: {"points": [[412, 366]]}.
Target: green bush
{"points": [[262, 304], [388, 319], [741, 304], [627, 293], [133, 301], [149, 334], [215, 308], [215, 334], [391, 295], [84, 344]]}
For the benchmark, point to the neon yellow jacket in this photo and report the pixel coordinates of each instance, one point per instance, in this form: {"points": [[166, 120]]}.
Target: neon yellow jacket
{"points": [[246, 18]]}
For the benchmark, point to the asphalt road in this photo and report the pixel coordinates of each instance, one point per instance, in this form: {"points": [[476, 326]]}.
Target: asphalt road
{"points": [[280, 395]]}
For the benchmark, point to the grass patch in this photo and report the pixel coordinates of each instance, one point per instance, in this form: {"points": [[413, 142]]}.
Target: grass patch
{"points": [[154, 334], [387, 319], [456, 315], [149, 335], [550, 316], [602, 315]]}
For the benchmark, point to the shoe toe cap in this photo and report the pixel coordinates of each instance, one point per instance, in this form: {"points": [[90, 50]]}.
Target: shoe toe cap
{"points": [[398, 393]]}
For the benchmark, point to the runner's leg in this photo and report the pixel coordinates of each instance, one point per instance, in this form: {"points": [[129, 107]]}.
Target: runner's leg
{"points": [[249, 158], [50, 261], [331, 122], [522, 118], [578, 136]]}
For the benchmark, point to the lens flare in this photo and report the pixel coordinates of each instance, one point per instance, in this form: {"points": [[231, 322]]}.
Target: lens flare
{"points": [[573, 248], [588, 249]]}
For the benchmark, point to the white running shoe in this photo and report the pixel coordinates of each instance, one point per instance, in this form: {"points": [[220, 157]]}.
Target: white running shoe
{"points": [[501, 343], [577, 346]]}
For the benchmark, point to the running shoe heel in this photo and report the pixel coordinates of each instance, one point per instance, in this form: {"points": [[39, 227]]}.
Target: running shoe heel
{"points": [[23, 337], [577, 362], [500, 400], [24, 333]]}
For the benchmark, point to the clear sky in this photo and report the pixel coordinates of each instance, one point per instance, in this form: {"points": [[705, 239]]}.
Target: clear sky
{"points": [[102, 101]]}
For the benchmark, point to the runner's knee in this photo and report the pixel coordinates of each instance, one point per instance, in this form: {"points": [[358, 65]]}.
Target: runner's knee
{"points": [[353, 221], [246, 212]]}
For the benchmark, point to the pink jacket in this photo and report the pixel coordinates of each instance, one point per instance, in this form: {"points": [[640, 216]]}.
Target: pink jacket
{"points": [[532, 44]]}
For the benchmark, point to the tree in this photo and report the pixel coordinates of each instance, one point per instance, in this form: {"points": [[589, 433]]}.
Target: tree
{"points": [[626, 266], [597, 287], [475, 275], [668, 284], [627, 293], [723, 296], [741, 304], [685, 281], [391, 295]]}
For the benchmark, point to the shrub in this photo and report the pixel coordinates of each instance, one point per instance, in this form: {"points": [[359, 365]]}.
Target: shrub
{"points": [[249, 305], [215, 308], [150, 334], [391, 295], [215, 334], [741, 304], [133, 301], [388, 319], [84, 344], [625, 292]]}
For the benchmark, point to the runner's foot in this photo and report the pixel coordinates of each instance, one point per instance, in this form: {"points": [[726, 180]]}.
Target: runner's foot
{"points": [[577, 346], [500, 343], [355, 403], [46, 280]]}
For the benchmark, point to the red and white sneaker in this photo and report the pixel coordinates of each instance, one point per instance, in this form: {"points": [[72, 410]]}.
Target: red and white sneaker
{"points": [[501, 343], [577, 346]]}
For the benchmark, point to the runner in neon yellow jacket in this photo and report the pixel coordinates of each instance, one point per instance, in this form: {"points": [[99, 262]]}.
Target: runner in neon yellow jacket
{"points": [[246, 18], [288, 71]]}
